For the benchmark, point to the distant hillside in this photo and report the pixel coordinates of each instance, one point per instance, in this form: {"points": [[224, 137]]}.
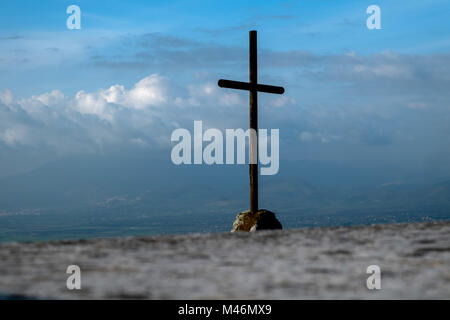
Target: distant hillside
{"points": [[129, 195]]}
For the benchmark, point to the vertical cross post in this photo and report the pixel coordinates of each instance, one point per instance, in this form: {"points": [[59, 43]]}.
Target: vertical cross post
{"points": [[253, 167], [253, 87]]}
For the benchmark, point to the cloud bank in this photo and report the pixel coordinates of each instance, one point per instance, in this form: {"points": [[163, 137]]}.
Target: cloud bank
{"points": [[115, 117], [346, 107]]}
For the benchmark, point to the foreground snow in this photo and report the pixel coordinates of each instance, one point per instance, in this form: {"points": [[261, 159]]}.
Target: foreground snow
{"points": [[319, 263]]}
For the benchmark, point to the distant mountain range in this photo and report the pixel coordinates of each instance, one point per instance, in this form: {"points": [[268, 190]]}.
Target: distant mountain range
{"points": [[127, 195]]}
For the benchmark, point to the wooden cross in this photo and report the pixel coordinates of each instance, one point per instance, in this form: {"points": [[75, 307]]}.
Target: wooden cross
{"points": [[253, 86]]}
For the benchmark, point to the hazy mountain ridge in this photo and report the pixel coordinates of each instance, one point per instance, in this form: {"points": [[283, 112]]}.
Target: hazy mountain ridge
{"points": [[121, 195]]}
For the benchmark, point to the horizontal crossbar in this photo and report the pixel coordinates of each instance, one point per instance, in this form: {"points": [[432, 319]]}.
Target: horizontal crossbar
{"points": [[247, 86]]}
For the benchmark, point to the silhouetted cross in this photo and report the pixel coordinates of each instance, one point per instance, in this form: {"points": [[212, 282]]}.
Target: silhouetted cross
{"points": [[253, 86]]}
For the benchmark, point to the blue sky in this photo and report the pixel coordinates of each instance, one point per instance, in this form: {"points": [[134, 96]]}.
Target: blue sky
{"points": [[321, 27], [366, 98]]}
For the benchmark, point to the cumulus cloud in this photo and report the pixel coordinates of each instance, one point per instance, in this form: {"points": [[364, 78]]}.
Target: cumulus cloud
{"points": [[141, 116], [149, 92]]}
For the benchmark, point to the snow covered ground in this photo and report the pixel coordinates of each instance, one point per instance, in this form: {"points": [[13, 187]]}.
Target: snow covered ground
{"points": [[313, 263]]}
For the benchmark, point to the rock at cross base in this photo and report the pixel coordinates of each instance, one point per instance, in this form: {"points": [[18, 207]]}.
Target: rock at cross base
{"points": [[262, 220]]}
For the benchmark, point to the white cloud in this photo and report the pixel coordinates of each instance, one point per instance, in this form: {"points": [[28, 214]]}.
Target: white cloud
{"points": [[114, 94], [92, 103], [87, 121], [51, 99], [141, 116], [150, 91]]}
